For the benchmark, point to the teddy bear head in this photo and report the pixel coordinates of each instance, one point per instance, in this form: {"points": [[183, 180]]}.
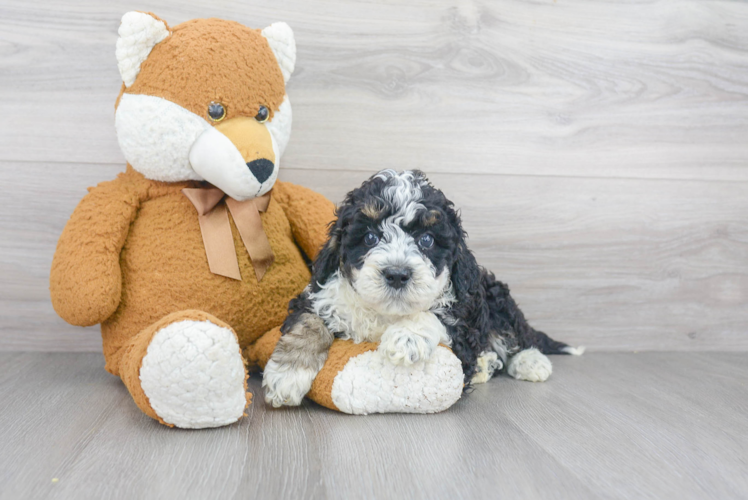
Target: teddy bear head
{"points": [[204, 100]]}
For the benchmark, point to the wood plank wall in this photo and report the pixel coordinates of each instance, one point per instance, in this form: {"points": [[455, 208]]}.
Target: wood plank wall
{"points": [[598, 149]]}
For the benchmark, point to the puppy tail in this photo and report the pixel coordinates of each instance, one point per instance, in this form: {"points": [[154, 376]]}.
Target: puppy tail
{"points": [[504, 312], [547, 345]]}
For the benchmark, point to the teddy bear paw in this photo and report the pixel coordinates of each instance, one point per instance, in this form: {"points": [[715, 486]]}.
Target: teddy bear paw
{"points": [[193, 375]]}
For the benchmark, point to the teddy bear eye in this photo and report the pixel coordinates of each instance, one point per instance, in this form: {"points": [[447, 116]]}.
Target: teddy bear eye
{"points": [[216, 111], [262, 115], [426, 241], [371, 239]]}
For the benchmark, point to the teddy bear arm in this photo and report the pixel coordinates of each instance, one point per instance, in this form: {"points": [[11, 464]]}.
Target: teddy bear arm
{"points": [[85, 279], [308, 212]]}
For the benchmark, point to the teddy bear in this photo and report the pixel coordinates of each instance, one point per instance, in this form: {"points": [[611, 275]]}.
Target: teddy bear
{"points": [[189, 258]]}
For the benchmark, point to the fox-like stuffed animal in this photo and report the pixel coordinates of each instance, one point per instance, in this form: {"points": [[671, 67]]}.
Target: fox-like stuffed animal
{"points": [[189, 258]]}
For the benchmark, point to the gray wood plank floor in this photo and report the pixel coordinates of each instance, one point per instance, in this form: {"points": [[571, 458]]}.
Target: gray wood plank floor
{"points": [[606, 425]]}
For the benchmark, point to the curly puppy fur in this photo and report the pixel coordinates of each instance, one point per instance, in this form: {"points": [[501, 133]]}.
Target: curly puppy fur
{"points": [[396, 269]]}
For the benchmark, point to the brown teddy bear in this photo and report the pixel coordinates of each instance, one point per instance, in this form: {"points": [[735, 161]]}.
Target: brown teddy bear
{"points": [[189, 258]]}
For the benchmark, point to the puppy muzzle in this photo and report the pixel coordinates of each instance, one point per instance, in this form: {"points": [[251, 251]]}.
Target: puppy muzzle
{"points": [[397, 277]]}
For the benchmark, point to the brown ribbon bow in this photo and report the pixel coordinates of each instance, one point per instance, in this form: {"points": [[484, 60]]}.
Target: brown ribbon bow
{"points": [[216, 230]]}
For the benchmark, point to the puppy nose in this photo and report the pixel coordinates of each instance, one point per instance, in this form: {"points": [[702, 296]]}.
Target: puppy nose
{"points": [[397, 277], [261, 169]]}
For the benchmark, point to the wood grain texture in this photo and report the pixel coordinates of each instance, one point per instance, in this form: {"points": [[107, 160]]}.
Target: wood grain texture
{"points": [[611, 88], [650, 425], [596, 149]]}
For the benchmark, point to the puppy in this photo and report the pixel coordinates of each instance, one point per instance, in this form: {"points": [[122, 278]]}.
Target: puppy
{"points": [[396, 270]]}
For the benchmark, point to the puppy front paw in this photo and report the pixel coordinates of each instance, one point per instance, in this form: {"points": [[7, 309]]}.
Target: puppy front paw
{"points": [[286, 385], [401, 346]]}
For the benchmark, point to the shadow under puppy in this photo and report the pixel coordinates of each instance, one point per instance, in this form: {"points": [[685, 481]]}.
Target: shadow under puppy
{"points": [[396, 270]]}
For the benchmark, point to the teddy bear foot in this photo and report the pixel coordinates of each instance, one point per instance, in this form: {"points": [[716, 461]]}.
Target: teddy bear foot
{"points": [[192, 373], [360, 379], [370, 383]]}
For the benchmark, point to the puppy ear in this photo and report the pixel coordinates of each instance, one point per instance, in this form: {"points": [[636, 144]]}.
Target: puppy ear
{"points": [[466, 275], [328, 259]]}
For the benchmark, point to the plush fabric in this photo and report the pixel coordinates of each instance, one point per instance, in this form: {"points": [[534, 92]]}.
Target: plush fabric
{"points": [[281, 40], [357, 379], [138, 34], [156, 263], [206, 60], [132, 256], [134, 353]]}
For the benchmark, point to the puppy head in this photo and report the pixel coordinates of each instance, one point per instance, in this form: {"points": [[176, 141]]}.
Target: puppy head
{"points": [[397, 240]]}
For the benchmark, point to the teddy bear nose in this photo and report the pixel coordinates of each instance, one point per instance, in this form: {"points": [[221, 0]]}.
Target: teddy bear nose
{"points": [[261, 169]]}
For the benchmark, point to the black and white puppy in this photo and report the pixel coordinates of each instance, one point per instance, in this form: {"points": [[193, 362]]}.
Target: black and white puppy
{"points": [[396, 270]]}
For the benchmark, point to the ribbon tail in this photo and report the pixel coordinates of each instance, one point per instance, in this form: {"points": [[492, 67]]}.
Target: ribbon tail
{"points": [[219, 244], [248, 222]]}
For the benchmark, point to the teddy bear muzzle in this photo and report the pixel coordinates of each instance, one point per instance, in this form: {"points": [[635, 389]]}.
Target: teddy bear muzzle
{"points": [[238, 156]]}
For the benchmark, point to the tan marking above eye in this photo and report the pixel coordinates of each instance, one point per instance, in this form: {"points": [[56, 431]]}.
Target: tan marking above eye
{"points": [[372, 211], [431, 218]]}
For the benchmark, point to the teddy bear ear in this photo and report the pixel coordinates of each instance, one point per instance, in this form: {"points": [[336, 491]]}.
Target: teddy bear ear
{"points": [[282, 43], [138, 34]]}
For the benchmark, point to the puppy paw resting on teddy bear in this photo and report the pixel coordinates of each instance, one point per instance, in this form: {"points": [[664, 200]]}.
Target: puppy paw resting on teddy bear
{"points": [[190, 257]]}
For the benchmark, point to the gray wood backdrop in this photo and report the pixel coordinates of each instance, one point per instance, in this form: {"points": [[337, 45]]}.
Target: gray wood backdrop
{"points": [[598, 149]]}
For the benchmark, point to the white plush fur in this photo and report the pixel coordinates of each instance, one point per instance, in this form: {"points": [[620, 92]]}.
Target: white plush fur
{"points": [[165, 142], [193, 375], [286, 384], [215, 158], [280, 126], [156, 136], [138, 34], [168, 143], [530, 365], [281, 40], [369, 383]]}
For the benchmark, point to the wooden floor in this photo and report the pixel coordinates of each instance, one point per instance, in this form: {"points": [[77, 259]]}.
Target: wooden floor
{"points": [[606, 425]]}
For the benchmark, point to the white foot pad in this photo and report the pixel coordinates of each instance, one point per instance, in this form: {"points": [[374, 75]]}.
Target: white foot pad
{"points": [[530, 365], [193, 375], [369, 383]]}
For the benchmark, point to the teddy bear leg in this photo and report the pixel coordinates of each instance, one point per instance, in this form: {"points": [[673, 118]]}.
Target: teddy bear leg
{"points": [[187, 370], [358, 379]]}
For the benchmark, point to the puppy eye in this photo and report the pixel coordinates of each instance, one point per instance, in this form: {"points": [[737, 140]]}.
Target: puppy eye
{"points": [[371, 239], [216, 111], [426, 241], [262, 114]]}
